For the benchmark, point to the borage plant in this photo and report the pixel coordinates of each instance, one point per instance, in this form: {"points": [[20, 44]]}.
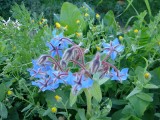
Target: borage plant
{"points": [[55, 68]]}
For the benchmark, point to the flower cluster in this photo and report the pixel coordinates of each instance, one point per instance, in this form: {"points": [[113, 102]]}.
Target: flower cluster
{"points": [[54, 69]]}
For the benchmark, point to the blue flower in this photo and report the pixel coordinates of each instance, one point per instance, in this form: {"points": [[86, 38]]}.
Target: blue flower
{"points": [[46, 84], [59, 77], [39, 71], [57, 44], [119, 75], [113, 48], [79, 82]]}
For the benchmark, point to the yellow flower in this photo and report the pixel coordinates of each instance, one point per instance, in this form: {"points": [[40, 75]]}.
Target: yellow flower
{"points": [[78, 34], [54, 109], [9, 92], [97, 16], [32, 21], [58, 25], [86, 14], [98, 48], [135, 31], [147, 75], [66, 27], [77, 21], [58, 98], [120, 38]]}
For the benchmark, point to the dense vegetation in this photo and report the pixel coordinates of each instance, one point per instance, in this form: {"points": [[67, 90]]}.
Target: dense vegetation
{"points": [[97, 60]]}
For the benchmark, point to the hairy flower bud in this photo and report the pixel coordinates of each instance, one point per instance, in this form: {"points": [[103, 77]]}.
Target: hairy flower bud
{"points": [[68, 54], [95, 64], [63, 63], [42, 59]]}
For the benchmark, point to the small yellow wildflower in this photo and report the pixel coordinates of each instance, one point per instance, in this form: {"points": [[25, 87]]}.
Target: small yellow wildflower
{"points": [[66, 27], [86, 14], [58, 98], [54, 109], [97, 16], [77, 21], [147, 75], [135, 31], [120, 38], [9, 92], [58, 25], [32, 21], [78, 34], [98, 48]]}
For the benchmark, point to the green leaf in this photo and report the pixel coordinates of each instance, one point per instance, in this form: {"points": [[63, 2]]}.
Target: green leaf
{"points": [[157, 115], [109, 20], [2, 91], [134, 91], [96, 91], [72, 98], [69, 14], [139, 105], [3, 110], [145, 97], [26, 108], [81, 113], [51, 101], [151, 86], [46, 112]]}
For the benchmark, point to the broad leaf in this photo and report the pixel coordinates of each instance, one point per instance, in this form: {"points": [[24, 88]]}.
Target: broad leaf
{"points": [[96, 91], [134, 91], [151, 86], [69, 15], [2, 91], [144, 97], [3, 110]]}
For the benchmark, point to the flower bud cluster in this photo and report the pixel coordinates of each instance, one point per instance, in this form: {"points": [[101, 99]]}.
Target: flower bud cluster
{"points": [[54, 69]]}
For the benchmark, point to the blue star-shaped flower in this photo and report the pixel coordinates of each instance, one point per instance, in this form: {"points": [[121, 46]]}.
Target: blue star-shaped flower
{"points": [[121, 75], [46, 84], [57, 44], [39, 71], [79, 82], [113, 48]]}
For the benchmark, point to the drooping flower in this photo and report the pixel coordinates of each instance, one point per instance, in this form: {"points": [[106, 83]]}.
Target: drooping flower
{"points": [[58, 43], [79, 82], [113, 48], [39, 70], [46, 84], [119, 75]]}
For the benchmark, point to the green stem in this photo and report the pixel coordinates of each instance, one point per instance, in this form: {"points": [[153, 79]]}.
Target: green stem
{"points": [[89, 106]]}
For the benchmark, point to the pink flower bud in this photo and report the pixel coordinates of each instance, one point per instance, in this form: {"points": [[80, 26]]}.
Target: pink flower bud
{"points": [[95, 64], [63, 64], [68, 54], [42, 59]]}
